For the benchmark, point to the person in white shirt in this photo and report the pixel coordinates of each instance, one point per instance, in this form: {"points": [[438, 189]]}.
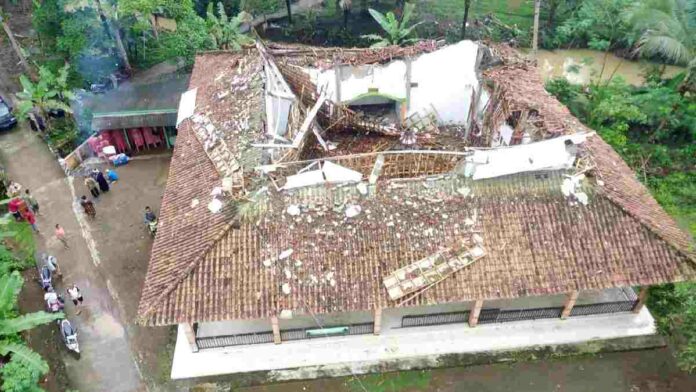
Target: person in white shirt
{"points": [[76, 296]]}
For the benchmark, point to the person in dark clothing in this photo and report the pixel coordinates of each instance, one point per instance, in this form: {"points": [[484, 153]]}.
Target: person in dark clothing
{"points": [[93, 186], [99, 176], [88, 206]]}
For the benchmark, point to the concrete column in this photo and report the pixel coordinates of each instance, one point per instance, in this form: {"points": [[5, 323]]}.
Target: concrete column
{"points": [[276, 330], [642, 296], [570, 302], [474, 313], [190, 336], [378, 321]]}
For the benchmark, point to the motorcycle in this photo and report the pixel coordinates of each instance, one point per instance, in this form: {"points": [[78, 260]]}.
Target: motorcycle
{"points": [[45, 278], [54, 303], [69, 335]]}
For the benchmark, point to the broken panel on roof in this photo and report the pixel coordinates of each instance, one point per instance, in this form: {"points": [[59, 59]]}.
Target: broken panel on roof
{"points": [[424, 273]]}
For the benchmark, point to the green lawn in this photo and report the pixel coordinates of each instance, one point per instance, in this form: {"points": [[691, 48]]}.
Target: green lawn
{"points": [[520, 12]]}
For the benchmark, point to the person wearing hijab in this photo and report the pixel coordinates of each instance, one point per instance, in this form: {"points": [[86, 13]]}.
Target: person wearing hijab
{"points": [[99, 176]]}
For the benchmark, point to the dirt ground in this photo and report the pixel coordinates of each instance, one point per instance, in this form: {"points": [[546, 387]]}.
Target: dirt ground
{"points": [[107, 259]]}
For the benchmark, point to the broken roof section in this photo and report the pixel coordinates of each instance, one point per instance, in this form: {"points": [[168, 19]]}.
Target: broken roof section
{"points": [[568, 215]]}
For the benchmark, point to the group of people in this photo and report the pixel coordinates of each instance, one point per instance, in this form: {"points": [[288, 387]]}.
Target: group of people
{"points": [[54, 302], [97, 183], [23, 206]]}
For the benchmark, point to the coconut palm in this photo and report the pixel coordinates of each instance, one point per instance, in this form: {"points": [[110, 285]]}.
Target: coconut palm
{"points": [[225, 31], [397, 31], [666, 29], [10, 324]]}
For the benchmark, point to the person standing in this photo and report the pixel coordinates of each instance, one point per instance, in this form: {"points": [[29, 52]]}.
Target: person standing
{"points": [[111, 175], [60, 234], [29, 216], [51, 262], [13, 207], [88, 206], [99, 176], [31, 202], [76, 297], [92, 185]]}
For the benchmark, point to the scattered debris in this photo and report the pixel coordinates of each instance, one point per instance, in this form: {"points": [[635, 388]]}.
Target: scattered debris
{"points": [[285, 314], [194, 203], [215, 206], [353, 210], [362, 188], [293, 210], [571, 188], [285, 254], [286, 288]]}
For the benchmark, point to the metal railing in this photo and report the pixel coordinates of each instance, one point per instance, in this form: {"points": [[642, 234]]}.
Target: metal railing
{"points": [[234, 340], [434, 319], [301, 333]]}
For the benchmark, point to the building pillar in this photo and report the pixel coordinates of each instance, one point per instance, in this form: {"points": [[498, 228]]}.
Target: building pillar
{"points": [[378, 321], [276, 330], [190, 336], [570, 302], [642, 296], [474, 313]]}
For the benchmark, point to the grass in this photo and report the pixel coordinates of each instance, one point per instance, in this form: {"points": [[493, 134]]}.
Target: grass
{"points": [[519, 12], [392, 382], [22, 242]]}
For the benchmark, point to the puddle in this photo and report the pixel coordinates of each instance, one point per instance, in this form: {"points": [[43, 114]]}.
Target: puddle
{"points": [[581, 65]]}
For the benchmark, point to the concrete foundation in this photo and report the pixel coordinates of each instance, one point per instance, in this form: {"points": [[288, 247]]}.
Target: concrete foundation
{"points": [[416, 348]]}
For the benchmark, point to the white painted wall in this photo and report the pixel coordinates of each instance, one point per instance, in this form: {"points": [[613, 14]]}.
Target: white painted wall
{"points": [[445, 81]]}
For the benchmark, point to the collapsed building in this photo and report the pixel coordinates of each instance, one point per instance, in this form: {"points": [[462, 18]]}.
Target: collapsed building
{"points": [[356, 208]]}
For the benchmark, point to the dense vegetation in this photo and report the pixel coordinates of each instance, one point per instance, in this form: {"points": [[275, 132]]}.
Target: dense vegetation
{"points": [[21, 368], [653, 127]]}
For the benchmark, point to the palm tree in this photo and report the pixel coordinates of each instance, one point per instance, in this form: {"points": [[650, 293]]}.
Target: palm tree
{"points": [[667, 29], [225, 31], [397, 31], [10, 324]]}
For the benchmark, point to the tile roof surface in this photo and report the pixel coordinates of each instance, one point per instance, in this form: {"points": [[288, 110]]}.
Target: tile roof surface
{"points": [[222, 266]]}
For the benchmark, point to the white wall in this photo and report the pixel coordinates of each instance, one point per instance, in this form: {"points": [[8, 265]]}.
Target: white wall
{"points": [[445, 81]]}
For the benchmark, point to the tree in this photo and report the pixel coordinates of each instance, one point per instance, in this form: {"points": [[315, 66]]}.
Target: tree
{"points": [[346, 6], [224, 31], [109, 17], [15, 46], [397, 31], [535, 38], [50, 92], [10, 326], [467, 4], [667, 29], [287, 5]]}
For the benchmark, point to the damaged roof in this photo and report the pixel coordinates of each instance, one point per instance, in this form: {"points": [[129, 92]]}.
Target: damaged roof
{"points": [[326, 248]]}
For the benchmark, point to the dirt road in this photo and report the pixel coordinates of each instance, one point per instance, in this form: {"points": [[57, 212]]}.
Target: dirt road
{"points": [[107, 362]]}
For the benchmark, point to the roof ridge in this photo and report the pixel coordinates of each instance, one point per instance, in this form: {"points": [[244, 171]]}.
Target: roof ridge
{"points": [[144, 315], [684, 245]]}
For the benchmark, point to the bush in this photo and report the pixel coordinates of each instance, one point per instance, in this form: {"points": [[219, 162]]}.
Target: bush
{"points": [[17, 377]]}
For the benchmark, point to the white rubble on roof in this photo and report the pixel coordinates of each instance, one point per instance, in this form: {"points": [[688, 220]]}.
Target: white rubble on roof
{"points": [[187, 105], [328, 172], [552, 154], [441, 81], [278, 96], [572, 189]]}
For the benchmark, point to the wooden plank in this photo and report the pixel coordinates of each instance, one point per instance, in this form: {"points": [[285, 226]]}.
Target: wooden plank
{"points": [[308, 121], [190, 336], [570, 302], [378, 321], [276, 330], [475, 312], [642, 297]]}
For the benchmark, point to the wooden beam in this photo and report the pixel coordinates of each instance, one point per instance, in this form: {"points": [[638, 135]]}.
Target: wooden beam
{"points": [[276, 330], [190, 336], [378, 321], [570, 302], [474, 313], [642, 296]]}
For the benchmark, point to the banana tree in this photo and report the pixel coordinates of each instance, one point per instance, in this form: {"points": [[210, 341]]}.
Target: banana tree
{"points": [[225, 31], [397, 32], [50, 92], [11, 324]]}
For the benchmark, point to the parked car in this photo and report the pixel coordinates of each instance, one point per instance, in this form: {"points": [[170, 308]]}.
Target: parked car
{"points": [[7, 119]]}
